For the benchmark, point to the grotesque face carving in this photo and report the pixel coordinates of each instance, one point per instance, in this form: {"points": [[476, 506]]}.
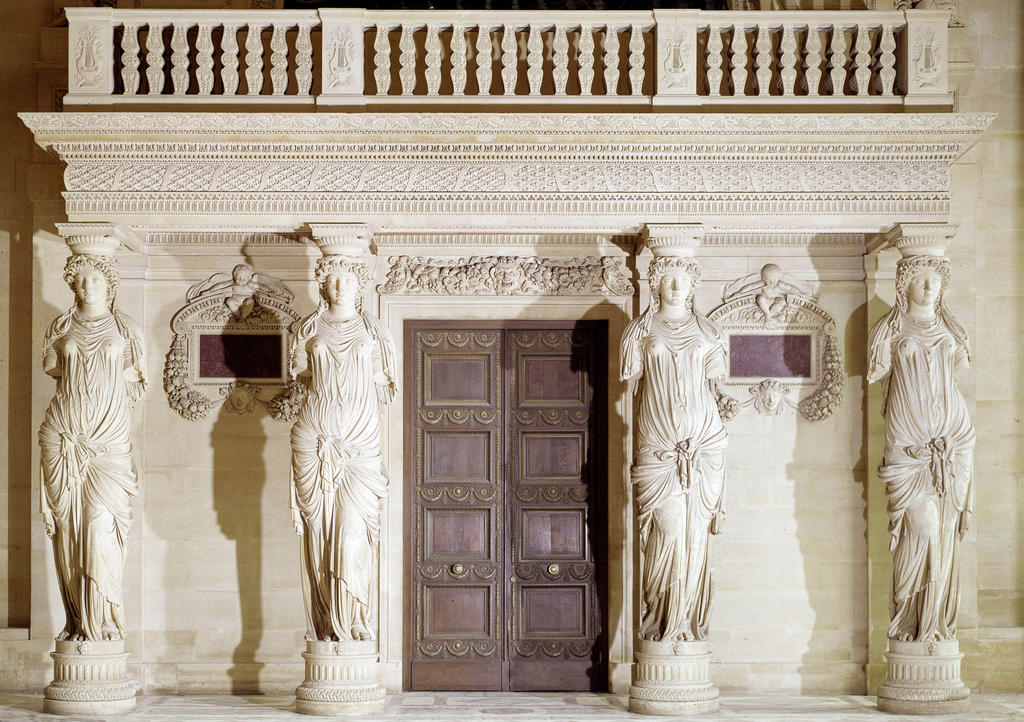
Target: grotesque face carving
{"points": [[90, 287], [675, 288], [341, 288]]}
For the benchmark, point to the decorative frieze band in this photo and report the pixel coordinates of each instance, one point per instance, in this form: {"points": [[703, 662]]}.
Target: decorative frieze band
{"points": [[508, 276]]}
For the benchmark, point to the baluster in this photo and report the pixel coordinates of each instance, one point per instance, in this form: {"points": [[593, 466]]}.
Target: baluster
{"points": [[560, 59], [862, 59], [714, 59], [484, 60], [130, 58], [813, 61], [611, 60], [534, 60], [887, 60], [586, 60], [739, 60], [303, 60], [279, 58], [179, 58], [636, 60], [433, 60], [155, 58], [764, 59], [382, 59], [788, 71], [254, 58], [204, 59], [407, 59], [229, 59], [509, 58], [837, 61], [458, 60]]}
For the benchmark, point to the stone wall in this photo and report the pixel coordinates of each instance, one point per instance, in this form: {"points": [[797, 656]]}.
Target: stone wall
{"points": [[802, 572]]}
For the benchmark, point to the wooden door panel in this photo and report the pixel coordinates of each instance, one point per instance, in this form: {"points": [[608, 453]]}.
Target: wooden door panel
{"points": [[555, 405], [455, 498], [505, 508]]}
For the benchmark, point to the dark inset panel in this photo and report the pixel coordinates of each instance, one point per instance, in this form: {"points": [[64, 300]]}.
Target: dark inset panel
{"points": [[551, 378], [550, 611], [241, 355], [457, 534], [458, 455], [458, 379], [448, 674], [553, 533], [770, 356], [548, 455], [457, 611]]}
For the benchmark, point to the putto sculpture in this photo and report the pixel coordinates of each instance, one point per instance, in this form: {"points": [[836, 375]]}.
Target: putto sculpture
{"points": [[96, 355], [673, 358], [916, 351]]}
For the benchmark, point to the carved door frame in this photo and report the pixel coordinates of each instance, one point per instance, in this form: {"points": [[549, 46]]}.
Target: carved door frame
{"points": [[394, 310]]}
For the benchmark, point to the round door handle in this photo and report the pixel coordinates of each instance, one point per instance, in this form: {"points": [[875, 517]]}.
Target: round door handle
{"points": [[458, 568], [553, 569]]}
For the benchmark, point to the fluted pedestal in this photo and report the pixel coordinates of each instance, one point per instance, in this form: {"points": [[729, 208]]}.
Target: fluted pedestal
{"points": [[89, 678], [672, 678], [923, 678], [341, 679]]}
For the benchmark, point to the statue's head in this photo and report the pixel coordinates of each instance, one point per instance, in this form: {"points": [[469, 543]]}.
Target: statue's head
{"points": [[921, 280], [342, 279], [93, 279], [241, 274], [771, 274], [673, 280]]}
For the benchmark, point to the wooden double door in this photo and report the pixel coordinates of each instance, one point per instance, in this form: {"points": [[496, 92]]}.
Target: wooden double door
{"points": [[505, 523]]}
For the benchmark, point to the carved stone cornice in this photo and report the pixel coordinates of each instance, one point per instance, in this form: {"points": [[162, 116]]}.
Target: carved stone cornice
{"points": [[49, 127], [614, 171], [507, 276]]}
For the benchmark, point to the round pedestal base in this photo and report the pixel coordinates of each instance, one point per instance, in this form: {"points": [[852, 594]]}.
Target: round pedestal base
{"points": [[672, 679], [923, 678], [341, 679], [89, 679]]}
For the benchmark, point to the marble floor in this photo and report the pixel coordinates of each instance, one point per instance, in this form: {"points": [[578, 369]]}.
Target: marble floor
{"points": [[521, 707]]}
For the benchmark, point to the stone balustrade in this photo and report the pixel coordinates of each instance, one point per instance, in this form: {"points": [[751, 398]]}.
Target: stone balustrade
{"points": [[673, 58]]}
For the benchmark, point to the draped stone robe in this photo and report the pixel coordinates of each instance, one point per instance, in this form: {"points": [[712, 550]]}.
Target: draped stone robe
{"points": [[927, 471], [679, 473], [338, 477], [88, 475]]}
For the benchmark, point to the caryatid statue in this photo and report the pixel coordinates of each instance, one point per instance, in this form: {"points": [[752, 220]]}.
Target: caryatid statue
{"points": [[673, 357], [917, 351], [96, 355], [346, 360]]}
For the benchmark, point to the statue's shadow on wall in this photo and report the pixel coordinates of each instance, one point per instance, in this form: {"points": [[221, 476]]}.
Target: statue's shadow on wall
{"points": [[239, 478]]}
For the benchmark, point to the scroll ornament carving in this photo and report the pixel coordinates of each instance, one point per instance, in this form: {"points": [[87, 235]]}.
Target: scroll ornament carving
{"points": [[771, 300], [916, 351], [346, 359], [239, 301], [507, 276], [96, 354], [674, 356]]}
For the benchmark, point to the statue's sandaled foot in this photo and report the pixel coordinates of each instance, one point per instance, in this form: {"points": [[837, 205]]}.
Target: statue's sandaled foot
{"points": [[360, 632], [64, 634]]}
